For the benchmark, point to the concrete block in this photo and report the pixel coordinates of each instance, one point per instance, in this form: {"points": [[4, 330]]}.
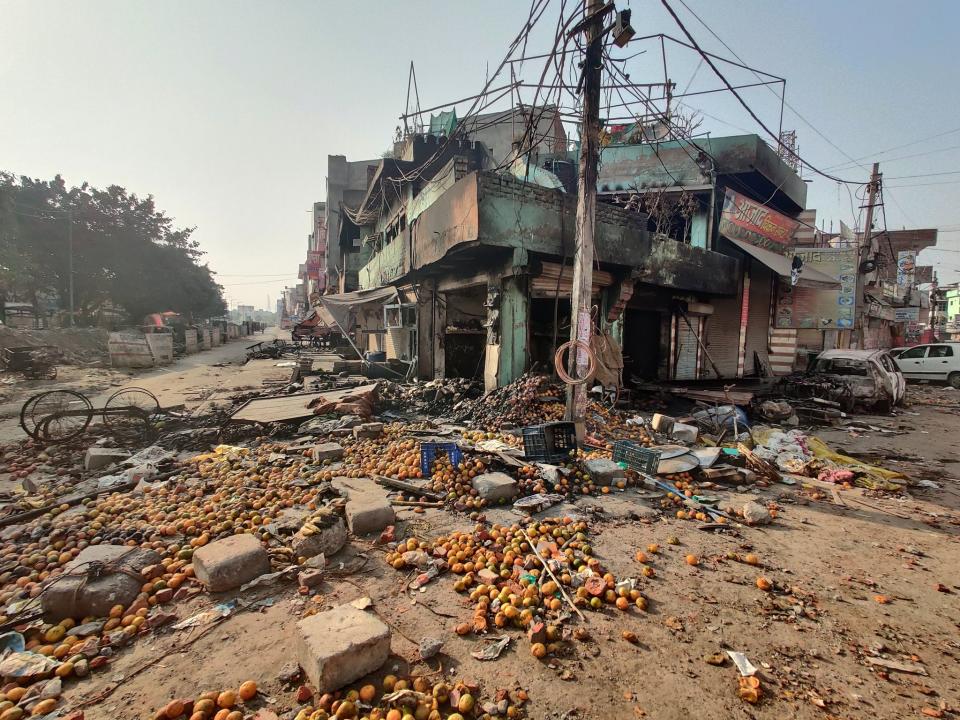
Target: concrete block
{"points": [[368, 514], [231, 562], [368, 509], [368, 430], [604, 472], [685, 433], [341, 645], [662, 423], [328, 541], [327, 451], [495, 486], [309, 578], [98, 458], [105, 584]]}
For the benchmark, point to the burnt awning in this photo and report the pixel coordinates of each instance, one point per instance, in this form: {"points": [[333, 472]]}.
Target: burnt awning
{"points": [[781, 264], [341, 307]]}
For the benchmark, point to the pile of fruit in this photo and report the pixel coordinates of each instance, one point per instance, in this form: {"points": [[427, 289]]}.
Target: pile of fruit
{"points": [[510, 587], [210, 705], [416, 697], [220, 494]]}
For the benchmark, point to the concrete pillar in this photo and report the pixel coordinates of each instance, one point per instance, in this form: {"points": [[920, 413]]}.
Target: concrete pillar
{"points": [[431, 321], [514, 328]]}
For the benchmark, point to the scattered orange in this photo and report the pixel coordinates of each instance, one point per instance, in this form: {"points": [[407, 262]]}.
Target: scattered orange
{"points": [[764, 584]]}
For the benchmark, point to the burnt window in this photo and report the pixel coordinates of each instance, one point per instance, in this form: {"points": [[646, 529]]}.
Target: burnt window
{"points": [[842, 366]]}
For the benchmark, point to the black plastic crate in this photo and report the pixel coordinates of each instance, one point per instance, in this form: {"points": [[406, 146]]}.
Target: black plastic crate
{"points": [[636, 456], [550, 442]]}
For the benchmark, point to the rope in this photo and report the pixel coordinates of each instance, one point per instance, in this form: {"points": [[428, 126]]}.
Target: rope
{"points": [[558, 362]]}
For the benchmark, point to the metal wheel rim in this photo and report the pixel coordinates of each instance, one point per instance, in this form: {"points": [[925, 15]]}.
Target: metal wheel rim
{"points": [[143, 405], [47, 405]]}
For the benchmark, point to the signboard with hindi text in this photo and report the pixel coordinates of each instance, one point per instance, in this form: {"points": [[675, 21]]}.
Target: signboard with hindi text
{"points": [[821, 308], [749, 221]]}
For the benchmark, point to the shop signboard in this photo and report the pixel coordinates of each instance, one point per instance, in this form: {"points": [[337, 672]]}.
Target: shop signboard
{"points": [[906, 265], [821, 308], [906, 314], [748, 221]]}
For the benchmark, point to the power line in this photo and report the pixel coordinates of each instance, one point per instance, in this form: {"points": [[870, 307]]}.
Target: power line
{"points": [[739, 97], [899, 147]]}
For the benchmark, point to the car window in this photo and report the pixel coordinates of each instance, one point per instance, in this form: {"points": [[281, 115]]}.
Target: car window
{"points": [[887, 363], [917, 352], [842, 366], [940, 351]]}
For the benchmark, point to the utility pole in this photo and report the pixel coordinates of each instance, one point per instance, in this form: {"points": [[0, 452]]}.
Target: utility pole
{"points": [[70, 259], [581, 323], [863, 253]]}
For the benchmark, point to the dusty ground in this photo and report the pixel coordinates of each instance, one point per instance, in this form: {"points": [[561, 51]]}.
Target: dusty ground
{"points": [[811, 641], [832, 555], [189, 381]]}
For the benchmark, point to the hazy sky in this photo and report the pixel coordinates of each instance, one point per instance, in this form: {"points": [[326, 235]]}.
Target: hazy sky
{"points": [[226, 111]]}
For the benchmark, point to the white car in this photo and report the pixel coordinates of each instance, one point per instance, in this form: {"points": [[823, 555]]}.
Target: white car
{"points": [[871, 374], [936, 361]]}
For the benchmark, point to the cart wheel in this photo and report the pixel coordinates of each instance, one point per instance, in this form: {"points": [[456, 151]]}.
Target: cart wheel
{"points": [[26, 419], [56, 416], [130, 411]]}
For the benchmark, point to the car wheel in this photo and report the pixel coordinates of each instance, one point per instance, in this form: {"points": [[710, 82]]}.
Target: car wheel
{"points": [[954, 380]]}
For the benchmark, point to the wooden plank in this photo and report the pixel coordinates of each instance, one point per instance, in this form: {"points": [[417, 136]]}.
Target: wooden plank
{"points": [[287, 408]]}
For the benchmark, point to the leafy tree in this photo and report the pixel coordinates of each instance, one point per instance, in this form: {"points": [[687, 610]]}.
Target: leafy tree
{"points": [[126, 252]]}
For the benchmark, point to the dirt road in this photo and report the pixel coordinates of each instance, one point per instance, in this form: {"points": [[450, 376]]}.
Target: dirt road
{"points": [[188, 381]]}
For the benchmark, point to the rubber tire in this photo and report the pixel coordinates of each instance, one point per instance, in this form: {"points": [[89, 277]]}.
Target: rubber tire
{"points": [[954, 380]]}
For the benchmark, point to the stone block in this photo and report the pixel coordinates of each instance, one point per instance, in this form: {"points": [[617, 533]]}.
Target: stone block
{"points": [[105, 584], [98, 458], [327, 451], [604, 472], [231, 562], [341, 645], [368, 430], [662, 423], [328, 541], [684, 433], [368, 514], [309, 579], [495, 486]]}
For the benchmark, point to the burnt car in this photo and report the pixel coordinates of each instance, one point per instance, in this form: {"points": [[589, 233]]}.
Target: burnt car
{"points": [[872, 375]]}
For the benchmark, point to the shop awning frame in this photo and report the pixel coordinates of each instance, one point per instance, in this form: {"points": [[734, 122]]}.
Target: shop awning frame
{"points": [[781, 265]]}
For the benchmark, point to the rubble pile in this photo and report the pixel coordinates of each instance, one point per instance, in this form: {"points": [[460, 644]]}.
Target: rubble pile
{"points": [[434, 397], [529, 400], [78, 346], [87, 574]]}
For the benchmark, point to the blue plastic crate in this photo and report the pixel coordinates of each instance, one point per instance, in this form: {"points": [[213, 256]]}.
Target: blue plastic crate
{"points": [[430, 450]]}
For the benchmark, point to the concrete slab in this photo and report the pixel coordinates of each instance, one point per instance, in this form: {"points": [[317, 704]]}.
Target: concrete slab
{"points": [[327, 451], [495, 486], [341, 645], [97, 458], [368, 509], [231, 562], [96, 580], [604, 472]]}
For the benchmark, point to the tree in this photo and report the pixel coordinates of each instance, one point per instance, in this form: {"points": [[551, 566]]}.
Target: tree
{"points": [[126, 252]]}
